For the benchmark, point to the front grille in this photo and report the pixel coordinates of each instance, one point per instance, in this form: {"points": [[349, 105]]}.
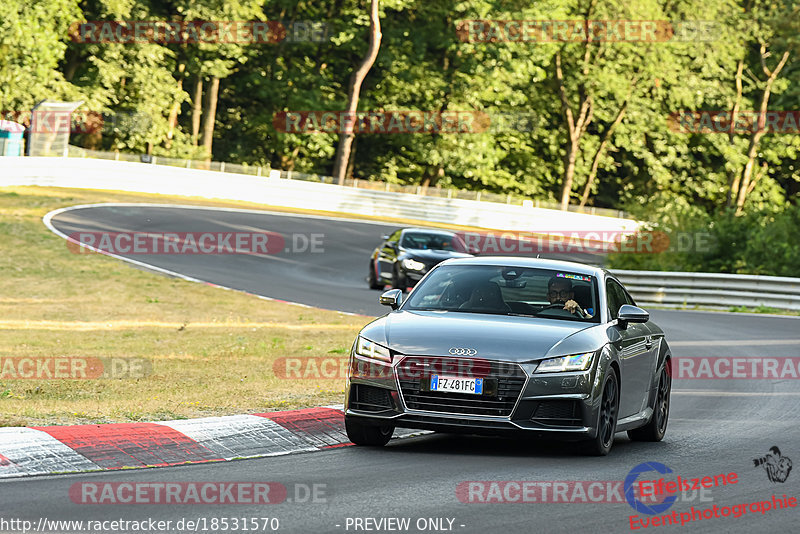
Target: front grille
{"points": [[369, 398], [503, 383], [558, 413]]}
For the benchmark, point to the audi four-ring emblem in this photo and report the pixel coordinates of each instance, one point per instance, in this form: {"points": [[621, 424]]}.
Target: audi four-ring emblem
{"points": [[459, 351]]}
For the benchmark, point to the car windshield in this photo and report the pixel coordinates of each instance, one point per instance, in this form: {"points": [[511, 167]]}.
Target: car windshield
{"points": [[425, 241], [503, 290]]}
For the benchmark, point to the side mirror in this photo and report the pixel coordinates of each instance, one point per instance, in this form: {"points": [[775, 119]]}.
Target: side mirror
{"points": [[385, 237], [473, 250], [393, 298], [631, 314]]}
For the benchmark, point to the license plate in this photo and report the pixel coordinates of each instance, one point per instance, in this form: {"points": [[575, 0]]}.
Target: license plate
{"points": [[457, 384]]}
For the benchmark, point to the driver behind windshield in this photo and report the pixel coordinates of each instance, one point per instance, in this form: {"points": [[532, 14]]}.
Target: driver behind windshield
{"points": [[559, 291]]}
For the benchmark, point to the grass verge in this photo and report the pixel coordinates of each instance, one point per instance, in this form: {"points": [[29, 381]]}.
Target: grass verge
{"points": [[211, 351]]}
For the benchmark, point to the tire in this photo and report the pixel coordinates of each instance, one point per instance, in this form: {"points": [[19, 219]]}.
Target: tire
{"points": [[367, 435], [607, 418], [656, 427], [398, 281], [372, 279]]}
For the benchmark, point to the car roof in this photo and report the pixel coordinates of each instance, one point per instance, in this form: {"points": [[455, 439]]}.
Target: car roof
{"points": [[535, 263]]}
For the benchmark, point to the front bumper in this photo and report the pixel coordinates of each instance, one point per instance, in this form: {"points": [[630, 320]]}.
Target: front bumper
{"points": [[556, 405]]}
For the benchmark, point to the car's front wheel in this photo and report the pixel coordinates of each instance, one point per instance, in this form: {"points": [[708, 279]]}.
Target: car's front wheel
{"points": [[362, 433], [655, 429], [607, 418]]}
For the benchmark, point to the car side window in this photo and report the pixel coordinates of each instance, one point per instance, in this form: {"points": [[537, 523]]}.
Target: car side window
{"points": [[628, 297], [615, 296]]}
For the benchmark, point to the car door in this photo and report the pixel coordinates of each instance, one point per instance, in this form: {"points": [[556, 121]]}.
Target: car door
{"points": [[387, 256], [633, 353], [652, 344]]}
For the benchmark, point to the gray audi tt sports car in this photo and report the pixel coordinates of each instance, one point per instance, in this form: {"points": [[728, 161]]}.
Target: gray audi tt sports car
{"points": [[494, 345]]}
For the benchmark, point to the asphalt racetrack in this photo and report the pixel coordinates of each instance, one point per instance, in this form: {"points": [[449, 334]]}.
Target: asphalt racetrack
{"points": [[717, 426]]}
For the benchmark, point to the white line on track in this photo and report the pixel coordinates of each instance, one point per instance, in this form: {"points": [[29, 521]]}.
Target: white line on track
{"points": [[47, 220]]}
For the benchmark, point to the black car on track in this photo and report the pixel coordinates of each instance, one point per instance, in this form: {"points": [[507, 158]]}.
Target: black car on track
{"points": [[496, 345], [406, 255]]}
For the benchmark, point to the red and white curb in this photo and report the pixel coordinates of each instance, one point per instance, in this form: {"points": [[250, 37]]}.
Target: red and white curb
{"points": [[79, 448]]}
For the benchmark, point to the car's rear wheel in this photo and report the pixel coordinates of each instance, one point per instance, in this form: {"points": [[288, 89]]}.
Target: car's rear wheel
{"points": [[655, 429], [372, 278], [607, 418], [362, 433]]}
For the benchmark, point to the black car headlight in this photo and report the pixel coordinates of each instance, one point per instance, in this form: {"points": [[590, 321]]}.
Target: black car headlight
{"points": [[413, 265], [371, 350], [573, 362]]}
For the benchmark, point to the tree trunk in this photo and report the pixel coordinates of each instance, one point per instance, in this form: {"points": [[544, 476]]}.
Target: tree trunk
{"points": [[569, 171], [173, 112], [197, 109], [733, 183], [210, 116], [352, 160], [353, 92], [431, 179], [755, 137], [575, 129], [600, 149]]}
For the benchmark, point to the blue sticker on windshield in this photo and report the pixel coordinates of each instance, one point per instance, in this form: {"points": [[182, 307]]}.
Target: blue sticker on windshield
{"points": [[581, 277]]}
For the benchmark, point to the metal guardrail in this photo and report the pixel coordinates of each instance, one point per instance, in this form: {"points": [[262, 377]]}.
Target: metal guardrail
{"points": [[255, 170], [710, 290], [274, 190]]}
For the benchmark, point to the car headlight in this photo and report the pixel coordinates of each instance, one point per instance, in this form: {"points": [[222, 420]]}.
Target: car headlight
{"points": [[370, 349], [575, 362], [413, 265]]}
